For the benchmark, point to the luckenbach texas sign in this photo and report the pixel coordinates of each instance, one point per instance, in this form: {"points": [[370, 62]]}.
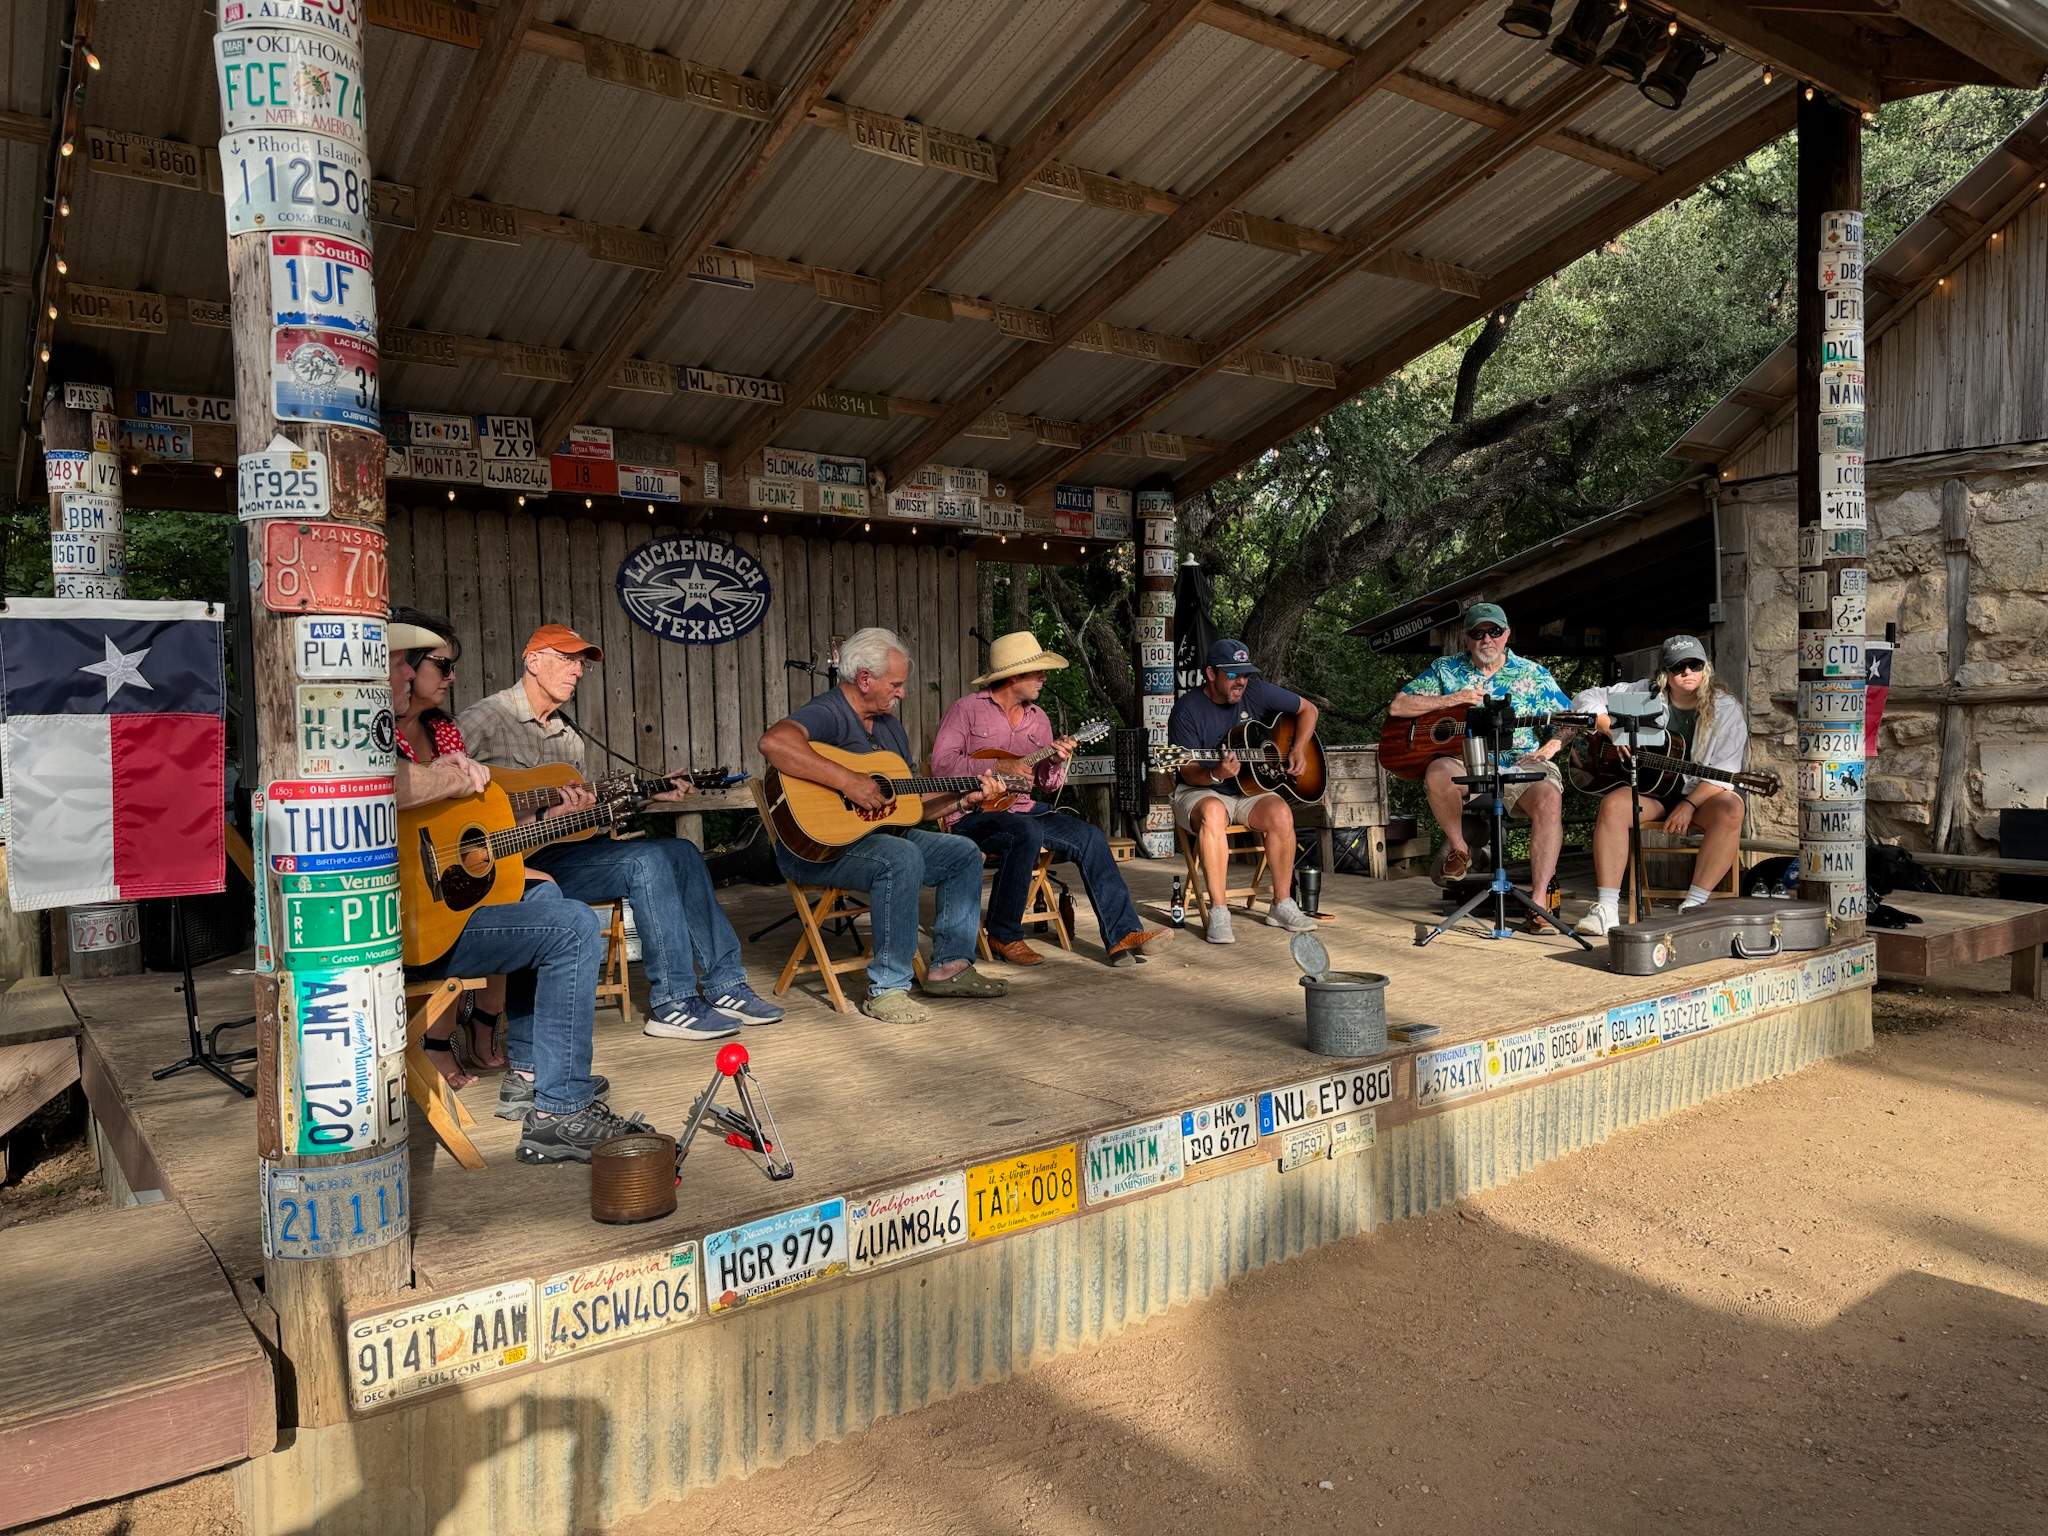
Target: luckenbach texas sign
{"points": [[694, 591]]}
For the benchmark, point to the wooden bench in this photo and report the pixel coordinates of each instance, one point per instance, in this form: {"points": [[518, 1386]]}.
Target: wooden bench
{"points": [[1956, 931]]}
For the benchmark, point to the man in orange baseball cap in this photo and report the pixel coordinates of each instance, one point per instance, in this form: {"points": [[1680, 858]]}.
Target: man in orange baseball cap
{"points": [[697, 986]]}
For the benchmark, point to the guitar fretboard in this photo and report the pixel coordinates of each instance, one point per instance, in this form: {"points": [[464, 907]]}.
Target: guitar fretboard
{"points": [[926, 786], [530, 835]]}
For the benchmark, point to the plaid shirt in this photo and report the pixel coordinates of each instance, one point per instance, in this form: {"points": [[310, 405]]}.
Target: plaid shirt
{"points": [[503, 732]]}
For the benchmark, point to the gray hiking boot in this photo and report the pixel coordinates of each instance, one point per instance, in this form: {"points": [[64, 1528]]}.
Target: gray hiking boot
{"points": [[515, 1094], [571, 1138]]}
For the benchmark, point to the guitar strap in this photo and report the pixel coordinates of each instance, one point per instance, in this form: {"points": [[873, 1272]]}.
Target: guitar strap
{"points": [[603, 746]]}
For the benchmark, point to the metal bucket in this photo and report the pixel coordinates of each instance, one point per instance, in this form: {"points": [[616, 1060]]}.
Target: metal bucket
{"points": [[633, 1178], [1347, 1013]]}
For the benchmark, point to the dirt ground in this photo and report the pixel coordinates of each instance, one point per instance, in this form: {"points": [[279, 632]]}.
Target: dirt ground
{"points": [[1820, 1303]]}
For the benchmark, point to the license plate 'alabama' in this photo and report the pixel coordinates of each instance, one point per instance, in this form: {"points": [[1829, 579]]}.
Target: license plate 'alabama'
{"points": [[776, 1253], [435, 1344], [903, 1223], [1303, 1103]]}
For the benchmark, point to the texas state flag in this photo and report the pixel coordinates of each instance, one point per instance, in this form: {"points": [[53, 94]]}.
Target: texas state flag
{"points": [[114, 750]]}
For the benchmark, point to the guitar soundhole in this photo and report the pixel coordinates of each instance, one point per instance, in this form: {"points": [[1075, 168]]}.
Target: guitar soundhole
{"points": [[888, 802], [469, 879]]}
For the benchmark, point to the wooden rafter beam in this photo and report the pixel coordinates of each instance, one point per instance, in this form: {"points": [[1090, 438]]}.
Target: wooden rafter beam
{"points": [[1396, 45], [1126, 57], [1376, 232], [460, 133], [2012, 61], [24, 127], [1832, 60], [1269, 31], [838, 46], [1589, 233]]}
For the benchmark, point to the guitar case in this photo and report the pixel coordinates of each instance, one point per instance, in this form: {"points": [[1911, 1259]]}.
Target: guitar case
{"points": [[1748, 928]]}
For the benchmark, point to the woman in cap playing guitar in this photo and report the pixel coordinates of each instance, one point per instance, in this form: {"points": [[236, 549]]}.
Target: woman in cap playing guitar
{"points": [[1707, 727]]}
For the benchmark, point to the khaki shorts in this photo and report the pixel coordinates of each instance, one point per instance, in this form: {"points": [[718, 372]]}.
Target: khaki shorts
{"points": [[1236, 807], [1511, 793]]}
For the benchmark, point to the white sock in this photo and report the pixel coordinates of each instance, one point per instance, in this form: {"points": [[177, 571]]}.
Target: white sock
{"points": [[1696, 896], [1609, 900]]}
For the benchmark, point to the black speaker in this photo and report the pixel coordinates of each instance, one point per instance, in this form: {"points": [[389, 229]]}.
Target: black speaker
{"points": [[1131, 795]]}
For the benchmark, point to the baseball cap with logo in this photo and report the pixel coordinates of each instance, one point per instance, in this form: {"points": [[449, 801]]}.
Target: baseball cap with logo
{"points": [[1681, 648], [560, 637], [1231, 658], [1485, 613]]}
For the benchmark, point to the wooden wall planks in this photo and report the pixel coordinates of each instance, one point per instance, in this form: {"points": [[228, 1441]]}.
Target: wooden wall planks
{"points": [[497, 575]]}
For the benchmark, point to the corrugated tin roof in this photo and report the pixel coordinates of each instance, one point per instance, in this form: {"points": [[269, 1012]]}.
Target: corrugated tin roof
{"points": [[1922, 250], [564, 144]]}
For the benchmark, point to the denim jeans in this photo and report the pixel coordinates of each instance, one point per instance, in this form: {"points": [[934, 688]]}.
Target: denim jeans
{"points": [[892, 870], [682, 928], [548, 949], [1015, 838]]}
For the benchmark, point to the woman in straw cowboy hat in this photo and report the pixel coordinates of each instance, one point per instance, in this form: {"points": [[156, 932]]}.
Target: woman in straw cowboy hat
{"points": [[1003, 715]]}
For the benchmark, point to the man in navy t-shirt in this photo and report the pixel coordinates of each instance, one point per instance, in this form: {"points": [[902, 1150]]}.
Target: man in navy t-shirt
{"points": [[1207, 800]]}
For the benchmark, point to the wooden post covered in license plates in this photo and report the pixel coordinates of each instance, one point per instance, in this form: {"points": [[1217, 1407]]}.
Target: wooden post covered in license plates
{"points": [[1833, 526], [1154, 524], [330, 996]]}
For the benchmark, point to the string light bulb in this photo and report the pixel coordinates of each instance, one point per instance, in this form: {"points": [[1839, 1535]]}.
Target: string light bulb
{"points": [[586, 503], [92, 61], [1770, 74], [522, 501], [451, 495], [66, 149], [867, 527], [218, 472], [650, 509], [43, 353], [63, 267], [53, 311], [1671, 30], [134, 470], [63, 207], [1809, 93]]}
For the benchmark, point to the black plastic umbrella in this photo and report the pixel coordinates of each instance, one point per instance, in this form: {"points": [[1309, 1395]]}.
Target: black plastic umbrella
{"points": [[1193, 630]]}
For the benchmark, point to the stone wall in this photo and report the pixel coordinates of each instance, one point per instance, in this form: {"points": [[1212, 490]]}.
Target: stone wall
{"points": [[2007, 758]]}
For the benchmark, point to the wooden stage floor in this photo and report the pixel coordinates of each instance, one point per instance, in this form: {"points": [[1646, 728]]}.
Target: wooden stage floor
{"points": [[1077, 1047]]}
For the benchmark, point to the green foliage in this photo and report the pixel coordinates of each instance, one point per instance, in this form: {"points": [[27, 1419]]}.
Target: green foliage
{"points": [[170, 554]]}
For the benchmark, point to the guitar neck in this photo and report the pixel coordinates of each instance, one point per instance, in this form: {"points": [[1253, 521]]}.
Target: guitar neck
{"points": [[1242, 754], [1666, 764], [529, 835], [931, 786]]}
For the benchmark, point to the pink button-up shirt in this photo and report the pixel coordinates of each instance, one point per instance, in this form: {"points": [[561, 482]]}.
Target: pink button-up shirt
{"points": [[977, 723]]}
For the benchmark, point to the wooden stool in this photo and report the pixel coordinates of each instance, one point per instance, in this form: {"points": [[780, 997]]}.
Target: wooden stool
{"points": [[1198, 888], [1635, 881], [1041, 904], [426, 1004], [817, 905], [613, 984]]}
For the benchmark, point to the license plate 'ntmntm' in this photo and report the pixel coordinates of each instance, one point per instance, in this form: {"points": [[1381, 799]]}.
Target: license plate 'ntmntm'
{"points": [[1020, 1192], [1133, 1158], [436, 1344], [775, 1254]]}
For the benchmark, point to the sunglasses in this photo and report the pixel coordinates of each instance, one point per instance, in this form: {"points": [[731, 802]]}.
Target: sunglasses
{"points": [[1485, 632], [1688, 666], [446, 667]]}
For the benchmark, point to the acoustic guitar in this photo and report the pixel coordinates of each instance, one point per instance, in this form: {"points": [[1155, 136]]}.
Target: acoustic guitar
{"points": [[815, 822], [1003, 762], [1261, 748], [1597, 763], [1408, 745], [457, 855]]}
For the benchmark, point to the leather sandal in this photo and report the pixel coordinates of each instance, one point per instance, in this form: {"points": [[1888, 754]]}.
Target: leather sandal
{"points": [[439, 1047], [1015, 952]]}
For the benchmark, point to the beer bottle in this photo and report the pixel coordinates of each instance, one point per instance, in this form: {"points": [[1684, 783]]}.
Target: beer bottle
{"points": [[1177, 912]]}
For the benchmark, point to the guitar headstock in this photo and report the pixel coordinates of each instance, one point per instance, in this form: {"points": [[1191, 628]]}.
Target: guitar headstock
{"points": [[1170, 759], [1758, 782], [1091, 732], [633, 786]]}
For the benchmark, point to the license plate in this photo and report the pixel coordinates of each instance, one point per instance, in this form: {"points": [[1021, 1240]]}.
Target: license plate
{"points": [[332, 1020], [1452, 1072], [345, 730], [1301, 1103], [331, 1212], [1578, 1040], [1020, 1192], [157, 439], [320, 280], [324, 376], [650, 484], [903, 1223], [1631, 1027], [1511, 1058], [1690, 1012], [1133, 1158], [777, 1253], [1354, 1133], [100, 928], [1819, 977], [325, 568], [592, 477], [282, 77], [527, 476], [1304, 1144], [342, 648], [435, 1344], [1217, 1130], [326, 826], [282, 481], [278, 180], [1779, 988], [506, 437], [341, 919], [613, 1302]]}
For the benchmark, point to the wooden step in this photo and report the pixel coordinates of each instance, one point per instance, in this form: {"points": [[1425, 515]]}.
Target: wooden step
{"points": [[129, 1363]]}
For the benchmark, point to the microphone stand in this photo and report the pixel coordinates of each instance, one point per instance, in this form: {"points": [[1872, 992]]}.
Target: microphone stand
{"points": [[1638, 906]]}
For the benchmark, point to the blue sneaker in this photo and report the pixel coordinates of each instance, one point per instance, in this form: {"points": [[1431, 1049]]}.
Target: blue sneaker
{"points": [[742, 1002], [690, 1019]]}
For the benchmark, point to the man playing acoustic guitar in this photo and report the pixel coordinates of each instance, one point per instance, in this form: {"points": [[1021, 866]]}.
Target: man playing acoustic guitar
{"points": [[1716, 734], [1209, 798], [859, 715], [683, 931], [1004, 717], [1489, 670]]}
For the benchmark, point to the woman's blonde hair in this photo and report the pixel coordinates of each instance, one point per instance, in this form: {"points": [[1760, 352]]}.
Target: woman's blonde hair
{"points": [[1710, 694]]}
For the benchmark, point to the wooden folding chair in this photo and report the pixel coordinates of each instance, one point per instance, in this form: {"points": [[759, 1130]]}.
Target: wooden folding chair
{"points": [[1687, 846], [816, 906], [426, 1004], [614, 986], [1198, 887], [1041, 903]]}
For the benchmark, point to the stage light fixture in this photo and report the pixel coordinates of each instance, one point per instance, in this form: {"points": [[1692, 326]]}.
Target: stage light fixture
{"points": [[1667, 84], [1633, 49], [1579, 42], [1527, 18]]}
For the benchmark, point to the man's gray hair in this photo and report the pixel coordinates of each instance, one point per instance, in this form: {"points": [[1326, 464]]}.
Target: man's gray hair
{"points": [[868, 649]]}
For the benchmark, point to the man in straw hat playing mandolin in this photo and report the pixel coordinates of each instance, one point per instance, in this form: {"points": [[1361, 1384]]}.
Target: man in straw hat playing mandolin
{"points": [[1004, 717]]}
